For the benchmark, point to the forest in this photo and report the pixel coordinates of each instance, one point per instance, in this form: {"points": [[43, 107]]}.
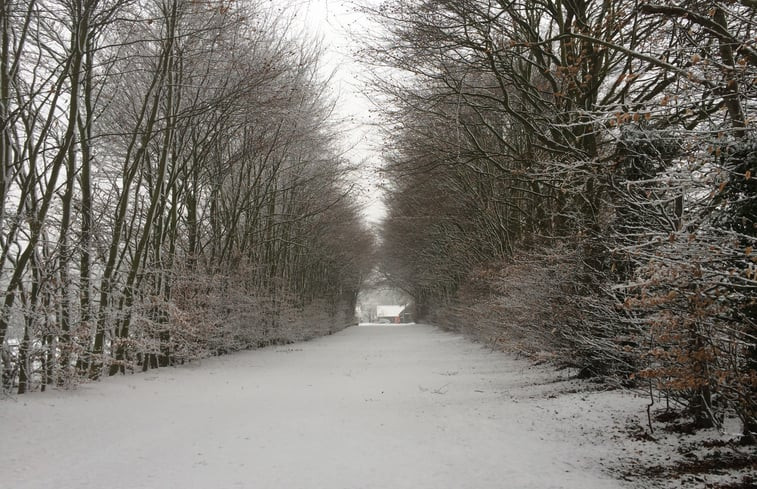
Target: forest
{"points": [[575, 181], [173, 187], [571, 180]]}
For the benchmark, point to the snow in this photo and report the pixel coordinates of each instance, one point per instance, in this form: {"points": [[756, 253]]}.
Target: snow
{"points": [[369, 407]]}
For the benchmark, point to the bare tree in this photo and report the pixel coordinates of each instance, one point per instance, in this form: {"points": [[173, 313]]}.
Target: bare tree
{"points": [[156, 152], [615, 132]]}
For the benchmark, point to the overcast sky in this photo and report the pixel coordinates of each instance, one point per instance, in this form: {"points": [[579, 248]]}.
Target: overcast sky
{"points": [[335, 21]]}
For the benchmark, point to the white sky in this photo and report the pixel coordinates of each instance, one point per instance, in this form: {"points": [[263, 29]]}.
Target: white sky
{"points": [[334, 21]]}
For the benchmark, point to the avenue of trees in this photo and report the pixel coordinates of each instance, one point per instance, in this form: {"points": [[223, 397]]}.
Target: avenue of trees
{"points": [[577, 179], [172, 187]]}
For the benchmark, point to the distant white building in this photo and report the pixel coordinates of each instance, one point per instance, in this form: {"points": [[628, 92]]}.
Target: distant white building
{"points": [[393, 313]]}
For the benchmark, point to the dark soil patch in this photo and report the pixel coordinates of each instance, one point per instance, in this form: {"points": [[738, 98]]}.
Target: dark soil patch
{"points": [[685, 427], [697, 463], [746, 482], [638, 433], [668, 416], [719, 443], [695, 468], [713, 463]]}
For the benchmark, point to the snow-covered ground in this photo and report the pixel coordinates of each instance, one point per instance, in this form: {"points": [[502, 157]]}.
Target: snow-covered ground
{"points": [[370, 407]]}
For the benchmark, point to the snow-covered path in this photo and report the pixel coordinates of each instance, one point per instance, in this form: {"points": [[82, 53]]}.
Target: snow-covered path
{"points": [[370, 407]]}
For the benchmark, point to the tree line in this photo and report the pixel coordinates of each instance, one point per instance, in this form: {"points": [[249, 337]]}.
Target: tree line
{"points": [[575, 179], [173, 186]]}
